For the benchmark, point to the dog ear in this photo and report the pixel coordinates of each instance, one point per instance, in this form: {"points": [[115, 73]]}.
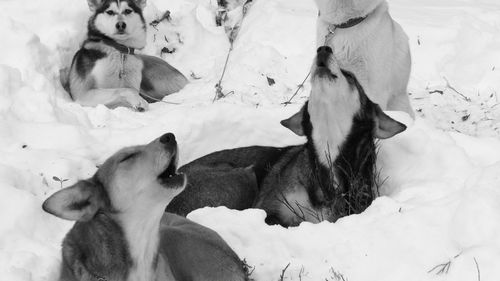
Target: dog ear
{"points": [[294, 123], [79, 202], [386, 127], [141, 3], [94, 4]]}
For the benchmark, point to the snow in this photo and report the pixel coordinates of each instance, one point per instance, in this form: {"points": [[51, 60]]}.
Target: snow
{"points": [[441, 199]]}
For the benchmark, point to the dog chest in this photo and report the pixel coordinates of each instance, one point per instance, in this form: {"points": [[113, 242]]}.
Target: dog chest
{"points": [[118, 70]]}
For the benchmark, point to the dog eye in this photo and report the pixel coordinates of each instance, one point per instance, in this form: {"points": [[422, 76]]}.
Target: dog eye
{"points": [[127, 12], [109, 12], [128, 157]]}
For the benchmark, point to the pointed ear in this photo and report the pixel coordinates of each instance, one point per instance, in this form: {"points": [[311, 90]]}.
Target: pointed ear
{"points": [[294, 123], [94, 4], [79, 202], [386, 127], [141, 3]]}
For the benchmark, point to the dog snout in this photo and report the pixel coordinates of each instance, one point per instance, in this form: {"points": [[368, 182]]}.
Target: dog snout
{"points": [[121, 26], [324, 52], [168, 138]]}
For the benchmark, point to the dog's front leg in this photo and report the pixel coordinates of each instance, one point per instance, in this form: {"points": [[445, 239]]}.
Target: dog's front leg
{"points": [[322, 31], [113, 98]]}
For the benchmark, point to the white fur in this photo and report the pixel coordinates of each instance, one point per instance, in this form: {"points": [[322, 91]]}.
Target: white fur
{"points": [[340, 11], [134, 36], [140, 202], [107, 86], [106, 72], [332, 105], [375, 50]]}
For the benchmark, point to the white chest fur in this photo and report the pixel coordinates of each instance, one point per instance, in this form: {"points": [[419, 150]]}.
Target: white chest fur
{"points": [[118, 70], [331, 109], [142, 233]]}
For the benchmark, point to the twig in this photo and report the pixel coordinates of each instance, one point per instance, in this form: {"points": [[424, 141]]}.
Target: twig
{"points": [[218, 86], [436, 91], [302, 269], [232, 37], [282, 276], [478, 271], [300, 86], [337, 275], [156, 22], [444, 268], [455, 90]]}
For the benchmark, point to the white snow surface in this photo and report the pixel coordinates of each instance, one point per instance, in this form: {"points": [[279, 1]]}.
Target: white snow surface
{"points": [[440, 202]]}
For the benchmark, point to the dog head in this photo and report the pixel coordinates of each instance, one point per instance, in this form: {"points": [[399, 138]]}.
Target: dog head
{"points": [[120, 20], [131, 179], [340, 11], [337, 108]]}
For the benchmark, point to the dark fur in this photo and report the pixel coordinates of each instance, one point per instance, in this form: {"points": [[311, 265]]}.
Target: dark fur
{"points": [[96, 247], [85, 59], [279, 169], [226, 178], [103, 7]]}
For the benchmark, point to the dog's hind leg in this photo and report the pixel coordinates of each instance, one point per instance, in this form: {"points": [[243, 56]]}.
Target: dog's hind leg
{"points": [[113, 98], [160, 79]]}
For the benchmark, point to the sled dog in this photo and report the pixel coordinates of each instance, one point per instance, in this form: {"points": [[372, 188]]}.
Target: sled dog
{"points": [[370, 44], [106, 70], [122, 232], [331, 175]]}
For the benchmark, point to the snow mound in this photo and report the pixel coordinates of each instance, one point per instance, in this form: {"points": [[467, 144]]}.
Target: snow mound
{"points": [[440, 203]]}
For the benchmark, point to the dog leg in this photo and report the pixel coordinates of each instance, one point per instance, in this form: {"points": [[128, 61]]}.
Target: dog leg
{"points": [[321, 33], [113, 98]]}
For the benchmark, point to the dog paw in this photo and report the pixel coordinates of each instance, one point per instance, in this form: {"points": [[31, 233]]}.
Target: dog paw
{"points": [[135, 101]]}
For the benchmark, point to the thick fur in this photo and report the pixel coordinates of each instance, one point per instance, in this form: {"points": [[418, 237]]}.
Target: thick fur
{"points": [[122, 232], [101, 74], [319, 180], [375, 50]]}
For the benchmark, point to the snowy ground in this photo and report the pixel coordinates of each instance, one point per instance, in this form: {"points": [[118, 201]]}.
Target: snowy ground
{"points": [[441, 199]]}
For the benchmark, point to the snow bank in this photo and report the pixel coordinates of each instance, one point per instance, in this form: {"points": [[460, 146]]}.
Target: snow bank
{"points": [[441, 197]]}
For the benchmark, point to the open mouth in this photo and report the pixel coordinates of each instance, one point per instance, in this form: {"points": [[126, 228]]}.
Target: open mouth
{"points": [[323, 71], [170, 178]]}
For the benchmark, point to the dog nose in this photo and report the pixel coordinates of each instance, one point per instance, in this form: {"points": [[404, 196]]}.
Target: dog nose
{"points": [[325, 49], [168, 139], [324, 53], [121, 25]]}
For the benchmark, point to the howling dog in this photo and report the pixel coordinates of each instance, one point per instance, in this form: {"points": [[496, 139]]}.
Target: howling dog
{"points": [[121, 230], [370, 44], [333, 174], [106, 69]]}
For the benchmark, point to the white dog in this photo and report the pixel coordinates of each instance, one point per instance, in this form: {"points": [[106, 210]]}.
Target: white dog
{"points": [[369, 43]]}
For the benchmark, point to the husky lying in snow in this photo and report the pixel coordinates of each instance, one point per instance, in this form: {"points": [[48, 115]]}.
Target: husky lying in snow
{"points": [[122, 232], [106, 69], [333, 174], [371, 45]]}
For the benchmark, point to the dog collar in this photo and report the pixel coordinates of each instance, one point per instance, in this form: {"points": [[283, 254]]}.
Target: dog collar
{"points": [[119, 47], [350, 22]]}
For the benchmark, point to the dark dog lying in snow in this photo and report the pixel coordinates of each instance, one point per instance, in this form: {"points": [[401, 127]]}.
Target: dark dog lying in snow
{"points": [[331, 175], [122, 232]]}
